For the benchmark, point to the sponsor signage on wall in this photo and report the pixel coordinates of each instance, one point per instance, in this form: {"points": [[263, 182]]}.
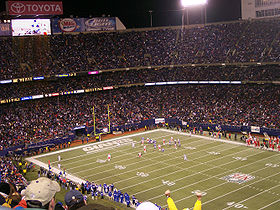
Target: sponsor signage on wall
{"points": [[100, 24], [68, 25], [5, 29], [34, 7]]}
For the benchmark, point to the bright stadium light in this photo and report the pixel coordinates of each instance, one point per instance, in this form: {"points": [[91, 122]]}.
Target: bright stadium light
{"points": [[189, 3], [186, 4]]}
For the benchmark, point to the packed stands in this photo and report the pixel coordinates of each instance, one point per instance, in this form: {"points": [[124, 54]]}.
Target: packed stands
{"points": [[244, 41]]}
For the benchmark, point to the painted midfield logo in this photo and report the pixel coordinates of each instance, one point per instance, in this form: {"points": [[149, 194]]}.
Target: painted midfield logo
{"points": [[238, 178]]}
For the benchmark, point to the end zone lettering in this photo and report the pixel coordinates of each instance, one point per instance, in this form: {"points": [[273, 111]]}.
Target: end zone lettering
{"points": [[106, 145]]}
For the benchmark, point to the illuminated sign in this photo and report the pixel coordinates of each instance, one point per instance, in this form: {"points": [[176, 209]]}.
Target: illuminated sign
{"points": [[38, 78], [26, 98], [34, 7], [6, 81], [93, 72], [108, 88]]}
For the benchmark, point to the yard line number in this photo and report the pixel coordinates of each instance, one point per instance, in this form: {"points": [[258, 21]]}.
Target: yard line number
{"points": [[142, 174], [167, 182], [236, 205]]}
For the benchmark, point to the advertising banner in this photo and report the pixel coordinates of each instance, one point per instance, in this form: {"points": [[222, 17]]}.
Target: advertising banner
{"points": [[255, 129], [159, 120], [34, 7], [100, 24], [68, 25], [5, 29]]}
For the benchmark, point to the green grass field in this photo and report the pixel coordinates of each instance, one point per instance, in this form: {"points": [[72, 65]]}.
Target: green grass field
{"points": [[230, 175]]}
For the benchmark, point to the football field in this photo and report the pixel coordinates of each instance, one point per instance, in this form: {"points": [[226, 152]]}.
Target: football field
{"points": [[230, 175]]}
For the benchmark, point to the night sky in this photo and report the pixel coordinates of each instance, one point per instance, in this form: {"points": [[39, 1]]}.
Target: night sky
{"points": [[135, 13]]}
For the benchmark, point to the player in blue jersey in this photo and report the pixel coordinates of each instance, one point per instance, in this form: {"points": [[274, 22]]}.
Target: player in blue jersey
{"points": [[133, 199], [121, 197], [110, 195], [128, 203], [96, 195]]}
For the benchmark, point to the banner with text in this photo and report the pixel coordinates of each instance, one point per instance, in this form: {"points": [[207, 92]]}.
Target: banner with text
{"points": [[34, 7], [5, 29], [255, 129], [68, 25], [100, 24]]}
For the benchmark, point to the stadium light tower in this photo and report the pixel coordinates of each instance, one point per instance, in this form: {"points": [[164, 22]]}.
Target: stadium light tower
{"points": [[192, 3]]}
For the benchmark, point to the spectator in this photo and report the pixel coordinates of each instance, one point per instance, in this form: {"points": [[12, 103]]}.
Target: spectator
{"points": [[74, 200], [197, 205], [96, 207], [40, 193], [170, 202], [147, 206]]}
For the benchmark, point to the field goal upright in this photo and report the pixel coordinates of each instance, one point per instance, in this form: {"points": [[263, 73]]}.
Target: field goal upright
{"points": [[98, 135]]}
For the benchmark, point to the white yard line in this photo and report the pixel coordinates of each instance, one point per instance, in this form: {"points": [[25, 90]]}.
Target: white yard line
{"points": [[228, 171], [270, 204], [254, 196], [95, 143], [124, 180], [166, 154], [78, 180], [99, 150], [127, 153], [74, 178], [185, 169], [240, 188], [212, 176]]}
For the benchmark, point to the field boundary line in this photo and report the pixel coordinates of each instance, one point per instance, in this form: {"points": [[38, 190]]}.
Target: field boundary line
{"points": [[228, 171], [191, 174], [269, 204], [127, 153], [165, 163], [239, 188], [254, 195], [201, 172], [94, 143]]}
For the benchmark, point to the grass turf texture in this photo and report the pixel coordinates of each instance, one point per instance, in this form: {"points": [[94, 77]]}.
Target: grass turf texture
{"points": [[208, 161]]}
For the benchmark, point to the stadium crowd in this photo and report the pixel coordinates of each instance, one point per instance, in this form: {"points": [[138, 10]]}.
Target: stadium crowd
{"points": [[202, 73], [17, 193], [241, 41], [36, 120]]}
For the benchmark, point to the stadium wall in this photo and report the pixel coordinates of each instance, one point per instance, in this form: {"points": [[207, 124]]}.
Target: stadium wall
{"points": [[134, 126]]}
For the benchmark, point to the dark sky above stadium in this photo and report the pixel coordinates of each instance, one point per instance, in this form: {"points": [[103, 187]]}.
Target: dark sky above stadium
{"points": [[135, 13]]}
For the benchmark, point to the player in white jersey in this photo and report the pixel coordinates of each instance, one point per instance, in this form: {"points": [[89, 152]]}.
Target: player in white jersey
{"points": [[145, 149], [133, 144], [109, 157], [185, 157], [58, 158], [58, 165], [139, 154], [163, 141], [159, 147]]}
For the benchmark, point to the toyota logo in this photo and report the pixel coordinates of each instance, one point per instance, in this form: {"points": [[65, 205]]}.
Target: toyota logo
{"points": [[18, 8]]}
